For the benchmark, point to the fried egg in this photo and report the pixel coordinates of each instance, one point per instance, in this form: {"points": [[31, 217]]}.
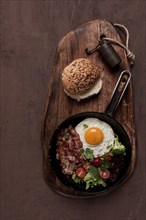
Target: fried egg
{"points": [[96, 135]]}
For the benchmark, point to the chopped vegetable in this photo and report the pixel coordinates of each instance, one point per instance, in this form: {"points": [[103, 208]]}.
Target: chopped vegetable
{"points": [[101, 182], [80, 172], [94, 171], [118, 148], [92, 178], [105, 165], [104, 174], [89, 154], [108, 146], [85, 126], [66, 136], [82, 151], [76, 178], [97, 162], [108, 157]]}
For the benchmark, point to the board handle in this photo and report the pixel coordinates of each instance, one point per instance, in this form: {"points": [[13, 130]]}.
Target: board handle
{"points": [[118, 92]]}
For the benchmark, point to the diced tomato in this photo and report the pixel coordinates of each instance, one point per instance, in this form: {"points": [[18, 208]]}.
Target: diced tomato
{"points": [[105, 174], [108, 157], [80, 172], [97, 162]]}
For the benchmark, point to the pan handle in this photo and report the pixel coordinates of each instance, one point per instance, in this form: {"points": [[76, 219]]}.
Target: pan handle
{"points": [[118, 92]]}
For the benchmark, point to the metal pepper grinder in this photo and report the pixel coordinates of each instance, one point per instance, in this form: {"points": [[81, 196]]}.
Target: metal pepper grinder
{"points": [[108, 53]]}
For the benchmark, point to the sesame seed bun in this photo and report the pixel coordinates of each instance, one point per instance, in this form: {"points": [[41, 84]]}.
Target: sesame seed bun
{"points": [[81, 79]]}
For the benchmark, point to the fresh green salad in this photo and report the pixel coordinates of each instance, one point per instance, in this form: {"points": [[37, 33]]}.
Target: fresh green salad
{"points": [[99, 170]]}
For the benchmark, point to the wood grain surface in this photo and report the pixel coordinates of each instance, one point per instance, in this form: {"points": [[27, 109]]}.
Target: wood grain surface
{"points": [[30, 30], [59, 106]]}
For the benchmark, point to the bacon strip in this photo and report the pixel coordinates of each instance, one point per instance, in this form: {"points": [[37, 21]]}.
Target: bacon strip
{"points": [[68, 150]]}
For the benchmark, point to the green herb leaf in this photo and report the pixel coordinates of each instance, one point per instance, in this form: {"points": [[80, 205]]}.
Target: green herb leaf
{"points": [[107, 147], [66, 136], [92, 178], [85, 126], [82, 151], [89, 154], [76, 178], [94, 171], [105, 165], [101, 182]]}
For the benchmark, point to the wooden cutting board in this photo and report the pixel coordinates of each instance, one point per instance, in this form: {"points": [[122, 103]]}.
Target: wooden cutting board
{"points": [[59, 106]]}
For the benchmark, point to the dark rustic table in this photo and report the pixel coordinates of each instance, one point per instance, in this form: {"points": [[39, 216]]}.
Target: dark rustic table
{"points": [[30, 32]]}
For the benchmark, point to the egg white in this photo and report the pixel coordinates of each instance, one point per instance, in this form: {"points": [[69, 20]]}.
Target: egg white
{"points": [[106, 145]]}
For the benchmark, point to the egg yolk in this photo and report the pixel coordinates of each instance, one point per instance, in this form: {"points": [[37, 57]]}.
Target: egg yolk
{"points": [[94, 136]]}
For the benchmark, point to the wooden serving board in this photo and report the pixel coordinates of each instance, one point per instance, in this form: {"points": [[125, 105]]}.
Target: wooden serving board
{"points": [[59, 106]]}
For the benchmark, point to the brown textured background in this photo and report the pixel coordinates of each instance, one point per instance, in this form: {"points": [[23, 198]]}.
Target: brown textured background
{"points": [[30, 32]]}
